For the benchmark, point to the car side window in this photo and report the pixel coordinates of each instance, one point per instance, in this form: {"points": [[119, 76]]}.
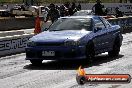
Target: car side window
{"points": [[107, 24], [98, 23]]}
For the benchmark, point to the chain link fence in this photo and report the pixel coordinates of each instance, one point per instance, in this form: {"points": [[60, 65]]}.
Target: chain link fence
{"points": [[62, 1]]}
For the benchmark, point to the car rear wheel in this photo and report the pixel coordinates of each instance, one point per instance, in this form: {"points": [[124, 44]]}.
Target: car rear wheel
{"points": [[116, 48], [36, 62], [90, 53]]}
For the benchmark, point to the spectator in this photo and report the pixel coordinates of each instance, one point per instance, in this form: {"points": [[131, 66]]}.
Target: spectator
{"points": [[98, 8], [67, 8], [73, 5], [118, 12], [22, 7], [73, 9], [62, 11], [53, 13], [67, 4], [45, 12], [79, 6], [57, 7], [105, 11], [70, 11]]}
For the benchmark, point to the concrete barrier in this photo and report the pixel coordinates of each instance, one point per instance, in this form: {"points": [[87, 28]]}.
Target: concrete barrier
{"points": [[13, 44], [12, 23], [11, 33], [16, 23], [16, 32]]}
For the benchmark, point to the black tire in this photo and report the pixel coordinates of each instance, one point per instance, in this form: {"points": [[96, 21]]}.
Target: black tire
{"points": [[116, 48], [36, 62], [90, 53]]}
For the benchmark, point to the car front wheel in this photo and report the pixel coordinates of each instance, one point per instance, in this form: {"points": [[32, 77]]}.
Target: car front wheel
{"points": [[90, 54], [116, 49]]}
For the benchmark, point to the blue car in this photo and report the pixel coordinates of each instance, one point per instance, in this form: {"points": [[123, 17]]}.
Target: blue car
{"points": [[75, 37]]}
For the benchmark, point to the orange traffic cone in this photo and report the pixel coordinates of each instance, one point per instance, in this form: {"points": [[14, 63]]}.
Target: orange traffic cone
{"points": [[37, 25]]}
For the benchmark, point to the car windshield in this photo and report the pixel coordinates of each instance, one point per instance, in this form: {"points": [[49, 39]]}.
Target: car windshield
{"points": [[71, 24]]}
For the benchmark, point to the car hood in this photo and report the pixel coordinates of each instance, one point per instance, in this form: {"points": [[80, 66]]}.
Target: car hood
{"points": [[59, 36]]}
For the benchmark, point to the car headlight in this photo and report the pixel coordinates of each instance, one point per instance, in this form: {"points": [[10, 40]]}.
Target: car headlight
{"points": [[71, 43], [31, 44]]}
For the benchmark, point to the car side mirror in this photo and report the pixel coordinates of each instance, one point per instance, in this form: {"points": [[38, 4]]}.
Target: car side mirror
{"points": [[97, 29]]}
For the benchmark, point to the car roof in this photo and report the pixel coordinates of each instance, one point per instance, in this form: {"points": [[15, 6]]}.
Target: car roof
{"points": [[85, 11], [89, 16]]}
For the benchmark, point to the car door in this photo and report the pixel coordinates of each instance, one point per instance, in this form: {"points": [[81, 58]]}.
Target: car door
{"points": [[100, 35], [110, 33]]}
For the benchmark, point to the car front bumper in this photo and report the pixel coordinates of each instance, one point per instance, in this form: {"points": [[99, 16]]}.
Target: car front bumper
{"points": [[61, 52]]}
